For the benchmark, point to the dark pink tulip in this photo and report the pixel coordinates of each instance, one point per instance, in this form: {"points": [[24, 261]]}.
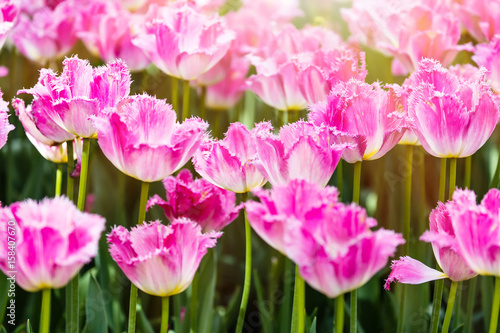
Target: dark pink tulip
{"points": [[54, 240], [142, 138], [160, 260], [367, 113], [301, 151], [8, 16], [331, 243], [202, 202]]}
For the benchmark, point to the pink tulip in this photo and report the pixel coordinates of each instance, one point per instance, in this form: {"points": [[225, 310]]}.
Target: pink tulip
{"points": [[160, 260], [229, 163], [5, 127], [53, 241], [407, 30], [50, 133], [143, 140], [366, 112], [477, 230], [331, 243], [481, 18], [202, 202], [488, 56], [48, 34], [8, 15], [106, 29], [466, 110], [410, 271], [184, 43], [301, 151], [79, 93], [320, 71]]}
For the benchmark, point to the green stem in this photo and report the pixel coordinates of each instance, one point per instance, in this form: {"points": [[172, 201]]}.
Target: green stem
{"points": [[194, 303], [468, 168], [45, 315], [70, 182], [299, 303], [496, 176], [436, 305], [356, 182], [164, 314], [132, 311], [203, 97], [248, 271], [354, 311], [339, 179], [449, 307], [471, 297], [406, 230], [453, 177], [442, 179], [59, 174], [354, 293], [496, 306], [185, 100], [175, 93], [83, 174], [339, 314]]}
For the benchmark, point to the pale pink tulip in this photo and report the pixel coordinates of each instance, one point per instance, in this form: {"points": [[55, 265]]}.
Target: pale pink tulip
{"points": [[184, 43], [78, 94], [488, 56], [301, 151], [202, 202], [366, 112], [53, 241], [331, 243], [160, 260], [481, 18], [49, 33], [451, 117], [407, 30], [5, 127], [228, 163], [106, 29], [142, 138]]}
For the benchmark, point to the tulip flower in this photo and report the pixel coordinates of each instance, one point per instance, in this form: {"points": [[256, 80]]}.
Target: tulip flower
{"points": [[301, 151], [481, 18], [143, 140], [54, 240], [466, 110], [366, 112], [488, 56], [229, 163], [200, 201], [8, 15], [5, 127], [48, 34], [160, 260], [184, 43], [80, 92]]}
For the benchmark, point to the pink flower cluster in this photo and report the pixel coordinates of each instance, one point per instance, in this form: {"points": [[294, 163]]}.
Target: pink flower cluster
{"points": [[331, 243]]}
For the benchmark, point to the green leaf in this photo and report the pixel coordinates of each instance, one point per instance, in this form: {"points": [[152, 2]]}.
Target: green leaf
{"points": [[96, 319], [2, 329], [265, 313], [206, 291], [313, 326], [29, 329], [20, 329], [142, 320]]}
